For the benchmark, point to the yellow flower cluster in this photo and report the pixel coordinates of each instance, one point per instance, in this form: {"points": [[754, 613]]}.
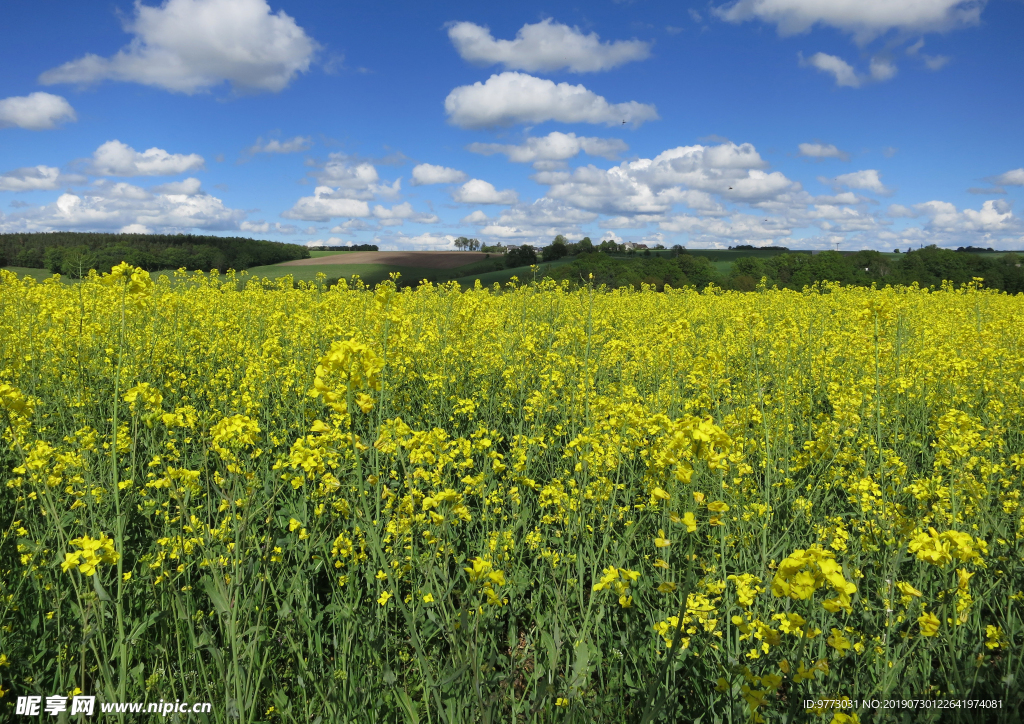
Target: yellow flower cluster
{"points": [[93, 552], [803, 572]]}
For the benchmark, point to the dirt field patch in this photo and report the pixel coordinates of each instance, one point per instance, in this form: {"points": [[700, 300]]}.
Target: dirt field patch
{"points": [[424, 259]]}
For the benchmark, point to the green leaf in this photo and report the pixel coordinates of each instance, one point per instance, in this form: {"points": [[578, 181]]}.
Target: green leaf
{"points": [[409, 707]]}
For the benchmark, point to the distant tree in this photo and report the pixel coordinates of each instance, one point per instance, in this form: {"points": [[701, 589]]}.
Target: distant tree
{"points": [[555, 250], [608, 246], [523, 256], [583, 246]]}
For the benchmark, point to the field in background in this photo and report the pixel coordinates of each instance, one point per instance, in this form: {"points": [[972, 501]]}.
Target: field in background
{"points": [[421, 259]]}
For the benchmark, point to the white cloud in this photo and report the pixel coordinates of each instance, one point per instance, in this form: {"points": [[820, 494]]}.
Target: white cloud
{"points": [[109, 206], [864, 19], [350, 226], [994, 216], [194, 45], [478, 217], [422, 242], [263, 227], [478, 191], [847, 197], [683, 175], [538, 222], [327, 203], [136, 229], [868, 179], [187, 187], [36, 111], [425, 174], [114, 158], [545, 46], [881, 69], [821, 150], [738, 228], [844, 73], [509, 98], [555, 146], [899, 211], [292, 145], [400, 213], [1010, 178], [36, 178], [355, 181], [931, 62]]}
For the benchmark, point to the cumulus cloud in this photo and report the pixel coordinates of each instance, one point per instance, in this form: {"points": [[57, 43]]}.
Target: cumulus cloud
{"points": [[36, 178], [400, 213], [868, 179], [190, 46], [864, 19], [188, 187], [478, 217], [683, 175], [555, 146], [292, 145], [478, 191], [994, 216], [509, 98], [421, 242], [263, 227], [327, 203], [109, 207], [881, 69], [545, 46], [822, 150], [36, 111], [114, 158], [738, 228], [847, 197], [539, 222], [899, 211], [425, 174], [355, 180]]}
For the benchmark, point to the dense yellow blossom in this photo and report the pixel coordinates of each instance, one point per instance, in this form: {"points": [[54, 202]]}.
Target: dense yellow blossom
{"points": [[528, 502]]}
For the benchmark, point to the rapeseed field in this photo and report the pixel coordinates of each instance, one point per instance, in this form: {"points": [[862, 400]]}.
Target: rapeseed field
{"points": [[527, 504]]}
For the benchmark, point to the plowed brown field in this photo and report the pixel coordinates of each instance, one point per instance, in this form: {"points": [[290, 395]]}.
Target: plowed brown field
{"points": [[424, 259]]}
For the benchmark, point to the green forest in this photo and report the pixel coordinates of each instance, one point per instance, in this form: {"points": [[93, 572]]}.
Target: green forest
{"points": [[74, 253], [929, 266]]}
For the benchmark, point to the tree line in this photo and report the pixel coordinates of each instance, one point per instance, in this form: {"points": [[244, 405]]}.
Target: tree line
{"points": [[353, 247], [75, 253], [677, 267]]}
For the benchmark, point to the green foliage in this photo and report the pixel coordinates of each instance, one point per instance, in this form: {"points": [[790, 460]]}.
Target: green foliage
{"points": [[654, 270], [74, 253], [464, 244], [523, 256], [926, 267], [557, 249]]}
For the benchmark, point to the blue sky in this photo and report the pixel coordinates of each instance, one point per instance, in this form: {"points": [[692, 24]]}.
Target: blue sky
{"points": [[800, 123]]}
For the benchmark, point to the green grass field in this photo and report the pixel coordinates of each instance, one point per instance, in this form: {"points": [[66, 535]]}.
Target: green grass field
{"points": [[37, 274]]}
